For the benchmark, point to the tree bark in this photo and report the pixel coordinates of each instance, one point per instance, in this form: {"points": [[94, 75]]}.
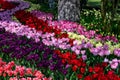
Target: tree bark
{"points": [[69, 10]]}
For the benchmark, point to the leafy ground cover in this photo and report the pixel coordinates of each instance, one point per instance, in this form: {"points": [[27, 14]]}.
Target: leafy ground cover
{"points": [[94, 2]]}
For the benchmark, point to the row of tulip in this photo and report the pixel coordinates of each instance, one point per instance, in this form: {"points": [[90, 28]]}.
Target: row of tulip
{"points": [[17, 72], [6, 5], [72, 27], [10, 7]]}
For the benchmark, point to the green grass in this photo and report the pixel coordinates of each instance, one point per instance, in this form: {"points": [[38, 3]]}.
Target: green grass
{"points": [[94, 2], [34, 6], [41, 6]]}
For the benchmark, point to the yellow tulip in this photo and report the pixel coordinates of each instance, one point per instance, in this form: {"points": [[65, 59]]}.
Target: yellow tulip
{"points": [[98, 44]]}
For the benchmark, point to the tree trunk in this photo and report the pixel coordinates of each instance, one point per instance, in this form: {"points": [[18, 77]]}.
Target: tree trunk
{"points": [[69, 10]]}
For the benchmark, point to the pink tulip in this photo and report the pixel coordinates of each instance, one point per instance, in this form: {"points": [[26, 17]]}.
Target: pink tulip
{"points": [[7, 70]]}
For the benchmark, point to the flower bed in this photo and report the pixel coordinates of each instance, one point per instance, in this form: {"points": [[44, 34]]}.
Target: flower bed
{"points": [[98, 50], [72, 27], [12, 71], [20, 47], [48, 46], [10, 9]]}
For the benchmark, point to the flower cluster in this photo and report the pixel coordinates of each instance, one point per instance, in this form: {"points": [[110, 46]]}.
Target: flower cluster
{"points": [[19, 29], [6, 5], [42, 15], [6, 69], [113, 48], [97, 73], [92, 72], [74, 27], [22, 47], [10, 7], [114, 63], [72, 61], [38, 24]]}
